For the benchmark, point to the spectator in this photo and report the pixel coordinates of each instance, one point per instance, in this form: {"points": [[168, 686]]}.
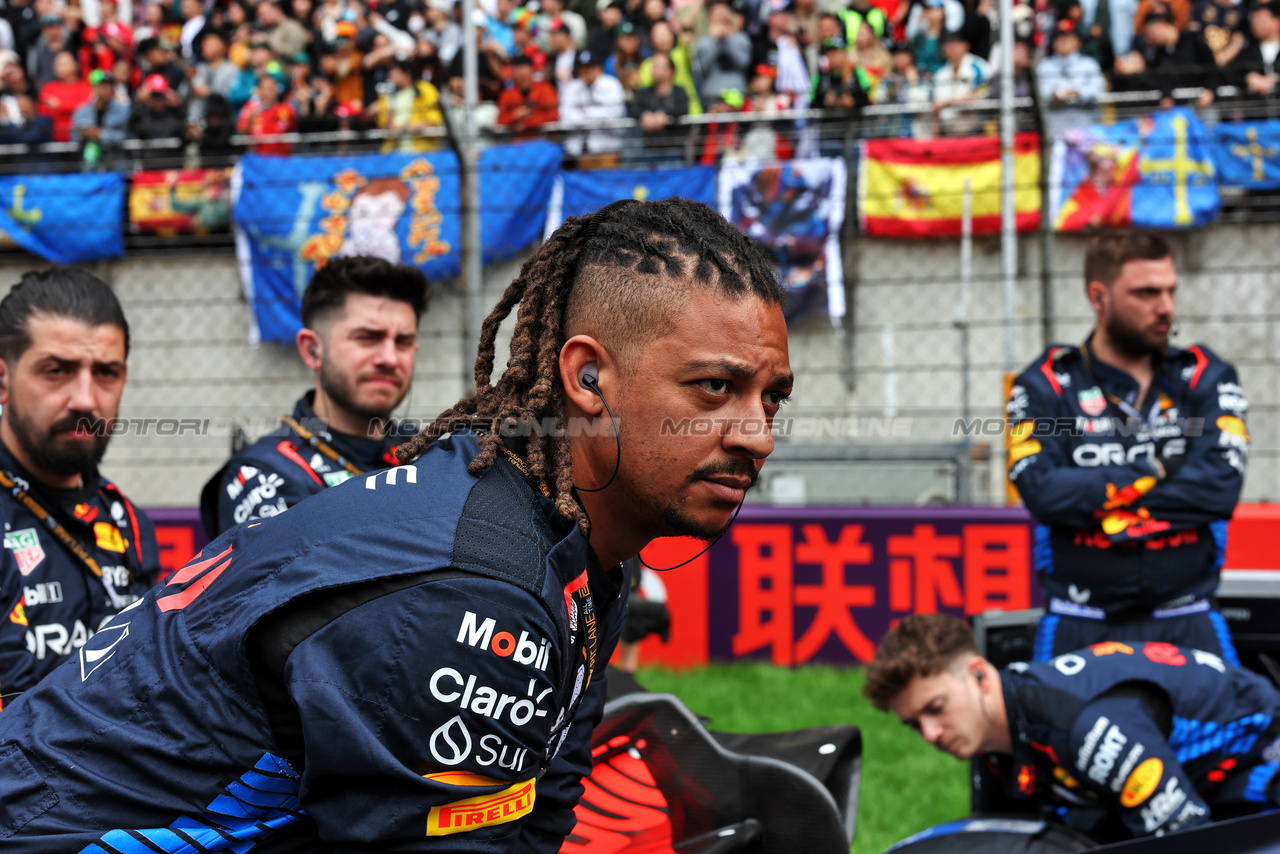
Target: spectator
{"points": [[408, 105], [655, 107], [154, 115], [486, 114], [313, 103], [62, 96], [553, 15], [441, 31], [28, 127], [345, 65], [215, 75], [839, 89], [526, 44], [106, 44], [664, 40], [964, 78], [562, 56], [1022, 51], [101, 125], [651, 12], [213, 135], [285, 35], [265, 115], [1164, 58], [761, 140], [624, 62], [1093, 44], [861, 12], [193, 21], [600, 43], [723, 56], [1254, 70], [13, 82], [722, 136], [871, 57], [1070, 82], [52, 41], [807, 16], [1178, 11], [527, 104], [926, 37], [260, 56], [591, 96], [779, 49], [152, 23], [905, 85], [159, 59], [1222, 23], [491, 61], [499, 27]]}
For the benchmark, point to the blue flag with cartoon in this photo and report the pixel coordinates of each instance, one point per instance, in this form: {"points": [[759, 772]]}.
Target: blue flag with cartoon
{"points": [[1154, 172], [1247, 154], [66, 219], [578, 193], [295, 213]]}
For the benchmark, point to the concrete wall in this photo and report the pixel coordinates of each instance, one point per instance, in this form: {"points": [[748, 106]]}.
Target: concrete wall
{"points": [[191, 360]]}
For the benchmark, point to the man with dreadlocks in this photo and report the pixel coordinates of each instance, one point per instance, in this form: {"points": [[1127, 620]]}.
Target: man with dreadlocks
{"points": [[414, 660]]}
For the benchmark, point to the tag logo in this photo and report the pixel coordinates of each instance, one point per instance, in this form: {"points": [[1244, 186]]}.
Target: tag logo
{"points": [[1092, 401], [474, 813], [26, 548]]}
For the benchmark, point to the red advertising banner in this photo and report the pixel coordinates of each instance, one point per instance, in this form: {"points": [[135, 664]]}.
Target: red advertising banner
{"points": [[823, 584]]}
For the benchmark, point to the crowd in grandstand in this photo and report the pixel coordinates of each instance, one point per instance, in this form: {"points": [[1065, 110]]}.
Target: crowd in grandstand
{"points": [[99, 73]]}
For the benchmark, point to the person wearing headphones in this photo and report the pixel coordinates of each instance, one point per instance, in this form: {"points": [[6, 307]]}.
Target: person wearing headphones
{"points": [[414, 660], [1130, 454], [1131, 739], [360, 320]]}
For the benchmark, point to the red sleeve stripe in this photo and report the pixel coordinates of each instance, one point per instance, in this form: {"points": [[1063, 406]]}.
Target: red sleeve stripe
{"points": [[1047, 370], [291, 453], [1202, 362]]}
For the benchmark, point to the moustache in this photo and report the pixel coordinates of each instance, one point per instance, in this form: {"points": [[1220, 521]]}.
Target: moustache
{"points": [[733, 468], [86, 421]]}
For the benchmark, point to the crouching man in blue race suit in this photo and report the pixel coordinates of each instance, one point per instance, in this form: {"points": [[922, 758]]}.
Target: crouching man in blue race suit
{"points": [[1127, 738], [414, 660]]}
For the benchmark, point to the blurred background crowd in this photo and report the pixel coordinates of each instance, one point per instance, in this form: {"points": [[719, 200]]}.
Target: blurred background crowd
{"points": [[98, 72]]}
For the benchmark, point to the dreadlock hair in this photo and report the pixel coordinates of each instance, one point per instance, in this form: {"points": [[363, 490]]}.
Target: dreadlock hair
{"points": [[620, 272]]}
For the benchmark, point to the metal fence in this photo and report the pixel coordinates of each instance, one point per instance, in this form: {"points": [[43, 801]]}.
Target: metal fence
{"points": [[901, 403]]}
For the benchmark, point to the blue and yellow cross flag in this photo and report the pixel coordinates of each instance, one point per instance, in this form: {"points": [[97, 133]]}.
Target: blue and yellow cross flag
{"points": [[66, 219], [1177, 184], [1247, 154]]}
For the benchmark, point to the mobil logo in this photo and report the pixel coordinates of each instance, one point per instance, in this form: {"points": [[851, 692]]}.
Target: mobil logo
{"points": [[475, 632]]}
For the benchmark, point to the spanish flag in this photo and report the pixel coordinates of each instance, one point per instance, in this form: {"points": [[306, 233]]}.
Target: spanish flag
{"points": [[915, 188]]}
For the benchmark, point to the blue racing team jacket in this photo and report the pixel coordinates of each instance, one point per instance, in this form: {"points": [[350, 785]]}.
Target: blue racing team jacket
{"points": [[281, 468], [1111, 534], [412, 661], [51, 603], [1165, 736]]}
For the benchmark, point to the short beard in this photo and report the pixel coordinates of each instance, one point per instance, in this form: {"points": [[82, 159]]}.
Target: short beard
{"points": [[1132, 342], [80, 458], [342, 394], [681, 525]]}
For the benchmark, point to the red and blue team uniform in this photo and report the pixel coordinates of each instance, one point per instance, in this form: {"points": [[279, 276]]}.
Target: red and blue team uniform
{"points": [[1121, 553], [282, 468], [1147, 737], [51, 602], [411, 661]]}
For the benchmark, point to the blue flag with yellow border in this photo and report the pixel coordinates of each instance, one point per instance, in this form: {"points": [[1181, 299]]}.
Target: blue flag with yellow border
{"points": [[296, 213], [1247, 154], [66, 219], [579, 193]]}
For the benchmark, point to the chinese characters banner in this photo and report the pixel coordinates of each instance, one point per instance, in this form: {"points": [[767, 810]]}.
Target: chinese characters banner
{"points": [[794, 586]]}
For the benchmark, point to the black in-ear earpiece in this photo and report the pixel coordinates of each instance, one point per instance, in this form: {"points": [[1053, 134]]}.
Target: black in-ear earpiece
{"points": [[314, 354], [977, 674], [587, 377]]}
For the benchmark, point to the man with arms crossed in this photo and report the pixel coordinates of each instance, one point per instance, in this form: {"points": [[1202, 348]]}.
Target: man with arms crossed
{"points": [[1149, 736], [360, 335], [414, 660], [1130, 454], [76, 550]]}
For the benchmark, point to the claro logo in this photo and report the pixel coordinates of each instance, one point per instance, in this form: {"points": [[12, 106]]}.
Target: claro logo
{"points": [[524, 650]]}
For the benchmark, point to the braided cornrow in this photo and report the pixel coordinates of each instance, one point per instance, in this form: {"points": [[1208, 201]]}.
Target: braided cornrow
{"points": [[673, 240]]}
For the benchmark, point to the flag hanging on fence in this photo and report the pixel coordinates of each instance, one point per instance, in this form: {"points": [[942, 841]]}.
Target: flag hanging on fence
{"points": [[180, 201], [66, 219], [293, 214], [1153, 172], [916, 188], [795, 208], [578, 193], [1247, 154]]}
